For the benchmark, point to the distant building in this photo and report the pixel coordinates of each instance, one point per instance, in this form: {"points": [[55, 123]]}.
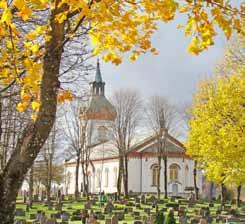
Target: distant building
{"points": [[142, 159]]}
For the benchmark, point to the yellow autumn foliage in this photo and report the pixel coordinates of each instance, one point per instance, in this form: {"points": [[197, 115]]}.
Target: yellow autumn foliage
{"points": [[216, 138], [114, 27]]}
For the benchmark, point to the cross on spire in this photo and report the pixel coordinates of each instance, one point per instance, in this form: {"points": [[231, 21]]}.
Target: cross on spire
{"points": [[98, 77]]}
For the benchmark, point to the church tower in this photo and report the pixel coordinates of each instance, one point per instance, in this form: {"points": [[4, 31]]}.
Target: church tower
{"points": [[100, 113]]}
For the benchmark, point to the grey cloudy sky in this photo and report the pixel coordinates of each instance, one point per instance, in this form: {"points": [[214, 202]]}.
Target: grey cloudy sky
{"points": [[173, 73]]}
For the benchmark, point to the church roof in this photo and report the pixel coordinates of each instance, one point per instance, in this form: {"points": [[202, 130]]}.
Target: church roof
{"points": [[149, 147], [145, 148]]}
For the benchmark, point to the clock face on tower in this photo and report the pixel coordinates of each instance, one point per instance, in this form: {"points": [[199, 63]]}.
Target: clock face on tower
{"points": [[102, 133]]}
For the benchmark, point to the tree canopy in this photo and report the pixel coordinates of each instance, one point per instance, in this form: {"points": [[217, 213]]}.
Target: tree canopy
{"points": [[114, 27], [216, 138]]}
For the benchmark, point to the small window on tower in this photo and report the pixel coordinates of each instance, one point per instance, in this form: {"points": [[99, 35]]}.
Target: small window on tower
{"points": [[102, 133]]}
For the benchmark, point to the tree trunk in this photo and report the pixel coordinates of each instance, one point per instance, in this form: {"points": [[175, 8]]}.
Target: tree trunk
{"points": [[120, 175], [125, 181], [30, 195], [35, 133], [76, 193], [211, 191], [159, 159], [195, 180], [223, 195], [1, 130], [165, 177], [239, 188], [87, 180]]}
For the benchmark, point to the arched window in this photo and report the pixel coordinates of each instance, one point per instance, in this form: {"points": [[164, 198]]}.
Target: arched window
{"points": [[186, 175], [102, 133], [115, 176], [174, 172], [155, 171], [106, 177], [98, 177]]}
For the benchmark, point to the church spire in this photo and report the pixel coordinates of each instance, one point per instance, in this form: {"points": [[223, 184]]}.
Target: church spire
{"points": [[98, 86], [98, 77]]}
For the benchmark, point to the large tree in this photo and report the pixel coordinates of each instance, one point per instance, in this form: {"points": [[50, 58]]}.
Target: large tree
{"points": [[75, 132], [162, 117], [33, 39], [128, 107], [217, 121], [216, 138]]}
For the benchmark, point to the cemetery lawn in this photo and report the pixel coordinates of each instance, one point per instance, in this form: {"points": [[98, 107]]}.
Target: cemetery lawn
{"points": [[136, 213]]}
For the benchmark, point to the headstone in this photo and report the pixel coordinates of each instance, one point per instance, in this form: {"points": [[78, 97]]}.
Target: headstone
{"points": [[51, 220], [147, 211], [108, 221], [128, 209], [20, 221], [109, 207], [32, 216], [65, 216], [136, 214], [19, 212], [88, 205], [114, 219], [137, 222], [35, 198], [57, 215], [137, 200], [142, 199], [138, 206], [152, 199]]}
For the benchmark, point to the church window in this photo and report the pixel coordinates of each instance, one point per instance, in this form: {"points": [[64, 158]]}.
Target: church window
{"points": [[186, 175], [98, 177], [102, 133], [155, 171], [115, 176], [174, 172], [106, 177]]}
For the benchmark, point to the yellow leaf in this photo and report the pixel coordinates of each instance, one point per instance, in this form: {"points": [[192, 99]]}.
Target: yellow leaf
{"points": [[35, 105], [6, 16]]}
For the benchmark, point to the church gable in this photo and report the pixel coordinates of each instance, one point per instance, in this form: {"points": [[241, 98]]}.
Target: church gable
{"points": [[150, 146]]}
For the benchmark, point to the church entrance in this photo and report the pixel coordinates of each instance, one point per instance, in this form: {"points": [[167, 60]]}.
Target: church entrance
{"points": [[175, 190]]}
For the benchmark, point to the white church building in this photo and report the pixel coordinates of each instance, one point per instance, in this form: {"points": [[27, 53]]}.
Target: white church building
{"points": [[142, 157]]}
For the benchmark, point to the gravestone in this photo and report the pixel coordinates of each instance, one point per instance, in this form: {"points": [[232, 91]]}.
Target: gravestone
{"points": [[128, 209], [152, 199], [58, 206], [108, 221], [35, 198], [142, 199], [57, 215], [33, 216], [109, 207], [88, 205], [20, 221], [65, 216], [137, 200], [136, 214], [129, 204], [138, 206], [114, 219], [51, 220], [147, 211], [137, 218], [19, 212]]}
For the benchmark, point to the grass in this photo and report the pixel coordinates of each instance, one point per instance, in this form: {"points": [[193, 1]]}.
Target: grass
{"points": [[190, 212]]}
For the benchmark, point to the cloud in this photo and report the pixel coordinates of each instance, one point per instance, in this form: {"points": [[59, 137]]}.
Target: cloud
{"points": [[173, 73]]}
